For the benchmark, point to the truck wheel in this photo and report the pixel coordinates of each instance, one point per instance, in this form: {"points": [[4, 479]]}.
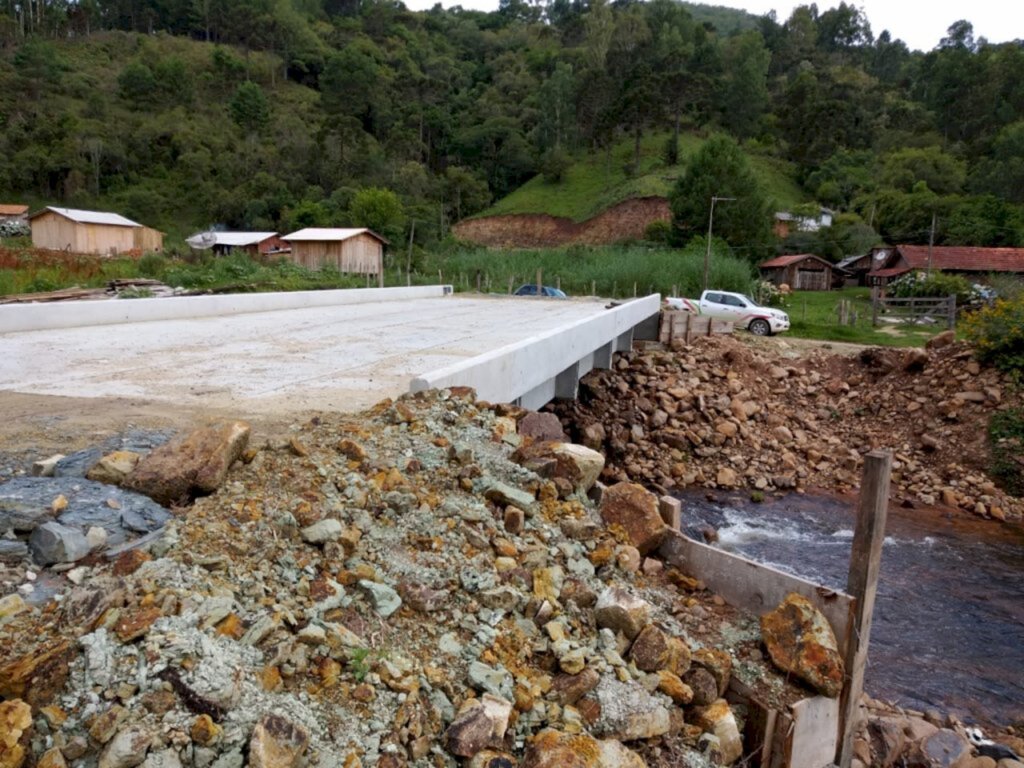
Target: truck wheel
{"points": [[760, 327]]}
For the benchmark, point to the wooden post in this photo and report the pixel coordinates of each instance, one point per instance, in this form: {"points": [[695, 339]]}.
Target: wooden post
{"points": [[634, 290], [671, 317], [951, 308], [689, 319], [479, 280], [593, 287], [861, 584], [408, 256], [558, 282], [539, 287], [440, 278], [675, 289], [511, 282]]}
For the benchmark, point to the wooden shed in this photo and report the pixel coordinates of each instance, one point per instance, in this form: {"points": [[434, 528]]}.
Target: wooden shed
{"points": [[256, 244], [107, 234], [353, 251], [801, 272], [13, 212]]}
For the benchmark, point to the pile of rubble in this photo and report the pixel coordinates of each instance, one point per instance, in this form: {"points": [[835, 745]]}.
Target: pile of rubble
{"points": [[437, 582], [390, 590], [721, 414]]}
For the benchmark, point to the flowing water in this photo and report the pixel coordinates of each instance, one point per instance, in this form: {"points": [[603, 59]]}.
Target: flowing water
{"points": [[948, 628]]}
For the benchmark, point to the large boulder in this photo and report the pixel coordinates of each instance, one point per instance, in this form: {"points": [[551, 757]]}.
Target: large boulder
{"points": [[629, 712], [195, 465], [555, 749], [801, 642], [114, 467], [480, 723], [55, 543], [718, 719], [26, 502], [579, 465], [277, 743], [635, 510], [542, 427], [621, 611], [15, 729]]}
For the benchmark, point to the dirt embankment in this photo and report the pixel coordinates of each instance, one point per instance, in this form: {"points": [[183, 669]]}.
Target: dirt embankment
{"points": [[626, 221]]}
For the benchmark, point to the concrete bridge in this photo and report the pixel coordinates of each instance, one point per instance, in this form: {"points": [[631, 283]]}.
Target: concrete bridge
{"points": [[315, 350]]}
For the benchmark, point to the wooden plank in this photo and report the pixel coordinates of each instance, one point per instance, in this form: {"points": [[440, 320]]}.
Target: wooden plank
{"points": [[862, 583], [815, 732], [753, 586]]}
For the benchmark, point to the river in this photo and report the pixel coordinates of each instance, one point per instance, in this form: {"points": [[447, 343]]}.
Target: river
{"points": [[948, 628]]}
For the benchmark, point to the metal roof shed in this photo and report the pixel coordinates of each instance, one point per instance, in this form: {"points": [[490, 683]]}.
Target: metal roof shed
{"points": [[352, 251]]}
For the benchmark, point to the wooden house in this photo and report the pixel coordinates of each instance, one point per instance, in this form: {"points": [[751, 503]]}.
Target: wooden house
{"points": [[10, 212], [107, 234], [891, 262], [256, 244], [353, 251], [802, 272]]}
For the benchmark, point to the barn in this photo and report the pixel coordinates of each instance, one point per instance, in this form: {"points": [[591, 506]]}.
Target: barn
{"points": [[98, 232], [802, 272], [352, 251]]}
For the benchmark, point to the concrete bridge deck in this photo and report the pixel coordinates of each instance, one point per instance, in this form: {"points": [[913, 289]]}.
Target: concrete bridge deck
{"points": [[334, 357]]}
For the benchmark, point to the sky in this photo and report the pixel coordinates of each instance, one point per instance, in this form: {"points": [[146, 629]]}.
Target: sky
{"points": [[918, 23]]}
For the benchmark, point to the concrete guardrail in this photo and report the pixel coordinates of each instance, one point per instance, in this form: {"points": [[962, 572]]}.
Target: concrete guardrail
{"points": [[549, 365], [74, 314]]}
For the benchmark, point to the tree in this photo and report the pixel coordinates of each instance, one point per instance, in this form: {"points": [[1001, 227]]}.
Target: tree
{"points": [[720, 169], [380, 210], [943, 173], [744, 92], [249, 107]]}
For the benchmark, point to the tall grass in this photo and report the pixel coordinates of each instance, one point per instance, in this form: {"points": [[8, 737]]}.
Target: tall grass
{"points": [[35, 271], [581, 270]]}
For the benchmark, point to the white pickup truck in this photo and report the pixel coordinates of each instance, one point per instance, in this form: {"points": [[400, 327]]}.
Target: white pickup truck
{"points": [[739, 309]]}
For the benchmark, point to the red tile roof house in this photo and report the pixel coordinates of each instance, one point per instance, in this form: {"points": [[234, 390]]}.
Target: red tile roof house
{"points": [[890, 262], [801, 272]]}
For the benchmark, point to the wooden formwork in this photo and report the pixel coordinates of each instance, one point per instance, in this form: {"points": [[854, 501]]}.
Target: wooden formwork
{"points": [[816, 731], [681, 327]]}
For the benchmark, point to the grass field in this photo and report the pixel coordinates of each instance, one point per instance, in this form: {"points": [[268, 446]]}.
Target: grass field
{"points": [[608, 271], [599, 180], [815, 315]]}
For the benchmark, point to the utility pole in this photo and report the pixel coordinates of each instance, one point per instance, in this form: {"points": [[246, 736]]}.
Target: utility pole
{"points": [[707, 255], [931, 243]]}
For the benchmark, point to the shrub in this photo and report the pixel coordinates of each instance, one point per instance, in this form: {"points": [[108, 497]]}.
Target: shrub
{"points": [[997, 333], [937, 285], [1006, 441], [658, 232]]}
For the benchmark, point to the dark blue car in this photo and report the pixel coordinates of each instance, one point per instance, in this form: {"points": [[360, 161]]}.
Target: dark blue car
{"points": [[530, 289]]}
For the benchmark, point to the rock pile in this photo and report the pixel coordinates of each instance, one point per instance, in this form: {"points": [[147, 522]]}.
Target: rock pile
{"points": [[721, 414], [388, 590]]}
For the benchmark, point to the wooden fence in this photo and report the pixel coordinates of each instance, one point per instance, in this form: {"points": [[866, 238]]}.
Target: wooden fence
{"points": [[915, 310], [680, 327]]}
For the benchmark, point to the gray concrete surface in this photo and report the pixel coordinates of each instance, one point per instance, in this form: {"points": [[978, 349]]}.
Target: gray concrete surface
{"points": [[289, 361]]}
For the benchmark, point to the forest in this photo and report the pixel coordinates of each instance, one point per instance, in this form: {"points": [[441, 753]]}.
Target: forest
{"points": [[280, 114]]}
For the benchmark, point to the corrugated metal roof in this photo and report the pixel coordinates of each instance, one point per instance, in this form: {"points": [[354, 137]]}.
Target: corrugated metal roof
{"points": [[964, 258], [235, 239], [318, 234], [90, 217], [13, 210], [785, 261]]}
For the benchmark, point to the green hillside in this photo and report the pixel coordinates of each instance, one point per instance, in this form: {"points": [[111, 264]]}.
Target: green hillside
{"points": [[597, 181]]}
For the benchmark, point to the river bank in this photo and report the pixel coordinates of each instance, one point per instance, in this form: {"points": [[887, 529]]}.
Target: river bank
{"points": [[950, 608]]}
